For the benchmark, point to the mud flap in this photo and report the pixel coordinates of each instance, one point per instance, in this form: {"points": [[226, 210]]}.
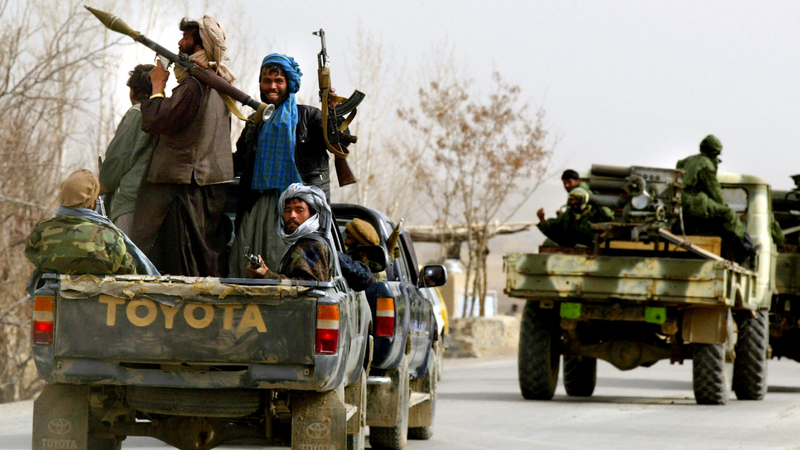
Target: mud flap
{"points": [[319, 421], [423, 396], [707, 326], [61, 418], [383, 401]]}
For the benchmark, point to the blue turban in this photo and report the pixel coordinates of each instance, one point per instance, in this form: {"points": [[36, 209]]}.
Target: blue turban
{"points": [[290, 69], [275, 165]]}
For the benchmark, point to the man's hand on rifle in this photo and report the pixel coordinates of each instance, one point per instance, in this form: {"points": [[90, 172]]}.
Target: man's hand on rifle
{"points": [[159, 77], [332, 104], [260, 272]]}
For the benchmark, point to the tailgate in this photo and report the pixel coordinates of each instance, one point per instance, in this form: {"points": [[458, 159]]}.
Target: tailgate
{"points": [[556, 276], [209, 328]]}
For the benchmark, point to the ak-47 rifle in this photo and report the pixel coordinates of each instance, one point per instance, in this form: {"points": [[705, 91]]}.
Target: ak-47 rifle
{"points": [[332, 130], [219, 84], [391, 243]]}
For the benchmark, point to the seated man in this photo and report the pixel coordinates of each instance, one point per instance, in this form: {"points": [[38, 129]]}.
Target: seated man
{"points": [[571, 180], [573, 227], [80, 241], [360, 233], [305, 227], [704, 208]]}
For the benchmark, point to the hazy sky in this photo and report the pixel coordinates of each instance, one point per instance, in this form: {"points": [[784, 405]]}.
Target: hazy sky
{"points": [[623, 82]]}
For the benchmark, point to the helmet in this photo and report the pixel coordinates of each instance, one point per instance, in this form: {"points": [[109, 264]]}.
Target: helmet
{"points": [[711, 146]]}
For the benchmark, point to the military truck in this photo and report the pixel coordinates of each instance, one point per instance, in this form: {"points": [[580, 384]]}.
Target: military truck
{"points": [[646, 292], [784, 327], [200, 362], [401, 387]]}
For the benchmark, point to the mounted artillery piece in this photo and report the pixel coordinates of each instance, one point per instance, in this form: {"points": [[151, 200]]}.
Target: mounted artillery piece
{"points": [[646, 292]]}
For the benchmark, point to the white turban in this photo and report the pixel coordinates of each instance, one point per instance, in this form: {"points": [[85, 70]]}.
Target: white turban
{"points": [[213, 35], [320, 221]]}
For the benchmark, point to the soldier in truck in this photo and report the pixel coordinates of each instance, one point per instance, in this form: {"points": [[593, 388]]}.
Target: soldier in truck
{"points": [[704, 208], [305, 227], [573, 227]]}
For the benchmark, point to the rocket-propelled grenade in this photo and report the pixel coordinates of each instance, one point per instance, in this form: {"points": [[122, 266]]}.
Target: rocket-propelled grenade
{"points": [[208, 77]]}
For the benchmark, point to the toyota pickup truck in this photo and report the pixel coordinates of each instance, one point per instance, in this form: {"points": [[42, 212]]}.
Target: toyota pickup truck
{"points": [[200, 362], [646, 292], [401, 388]]}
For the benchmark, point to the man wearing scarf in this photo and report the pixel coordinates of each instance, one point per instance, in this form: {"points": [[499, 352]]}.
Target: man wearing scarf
{"points": [[80, 241], [180, 222], [288, 148], [305, 228], [574, 226]]}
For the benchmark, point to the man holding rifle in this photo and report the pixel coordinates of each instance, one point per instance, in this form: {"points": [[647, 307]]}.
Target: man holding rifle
{"points": [[288, 148], [179, 210]]}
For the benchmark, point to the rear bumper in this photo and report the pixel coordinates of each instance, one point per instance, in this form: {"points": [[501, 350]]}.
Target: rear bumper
{"points": [[325, 376]]}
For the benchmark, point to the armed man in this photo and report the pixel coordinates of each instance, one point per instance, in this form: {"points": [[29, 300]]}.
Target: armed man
{"points": [[179, 210], [289, 148], [305, 228], [704, 209], [574, 226]]}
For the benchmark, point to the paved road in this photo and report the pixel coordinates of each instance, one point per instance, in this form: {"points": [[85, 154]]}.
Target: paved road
{"points": [[480, 407]]}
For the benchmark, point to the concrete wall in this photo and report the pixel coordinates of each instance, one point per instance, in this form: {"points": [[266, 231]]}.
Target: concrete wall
{"points": [[476, 337]]}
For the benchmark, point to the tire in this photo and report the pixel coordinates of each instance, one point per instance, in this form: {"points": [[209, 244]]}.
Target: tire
{"points": [[539, 352], [396, 437], [356, 441], [709, 374], [750, 366], [428, 382], [580, 375]]}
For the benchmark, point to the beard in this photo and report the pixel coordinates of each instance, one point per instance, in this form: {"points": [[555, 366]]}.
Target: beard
{"points": [[281, 98]]}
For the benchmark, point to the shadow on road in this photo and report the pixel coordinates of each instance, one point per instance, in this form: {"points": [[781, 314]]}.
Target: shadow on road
{"points": [[626, 400], [784, 389], [480, 396], [644, 383]]}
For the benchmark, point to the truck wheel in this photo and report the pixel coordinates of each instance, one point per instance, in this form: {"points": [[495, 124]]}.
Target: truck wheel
{"points": [[750, 366], [709, 374], [580, 375], [396, 437], [426, 384], [539, 352]]}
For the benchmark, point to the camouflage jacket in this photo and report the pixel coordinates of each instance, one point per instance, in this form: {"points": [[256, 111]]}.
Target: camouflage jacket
{"points": [[570, 229], [74, 245], [700, 177], [307, 259]]}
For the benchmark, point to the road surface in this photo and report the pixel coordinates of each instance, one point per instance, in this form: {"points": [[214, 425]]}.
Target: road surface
{"points": [[479, 407]]}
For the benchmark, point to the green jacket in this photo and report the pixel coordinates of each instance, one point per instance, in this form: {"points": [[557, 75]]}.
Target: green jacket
{"points": [[570, 229], [74, 245], [126, 160], [700, 177]]}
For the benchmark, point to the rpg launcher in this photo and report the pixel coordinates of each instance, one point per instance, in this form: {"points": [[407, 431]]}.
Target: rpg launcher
{"points": [[394, 239], [208, 77], [332, 129]]}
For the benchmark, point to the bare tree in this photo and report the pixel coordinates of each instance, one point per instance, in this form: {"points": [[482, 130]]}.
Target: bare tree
{"points": [[483, 157], [50, 52]]}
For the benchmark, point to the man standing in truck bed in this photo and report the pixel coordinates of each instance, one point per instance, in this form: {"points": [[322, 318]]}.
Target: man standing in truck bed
{"points": [[704, 209], [179, 209], [288, 148]]}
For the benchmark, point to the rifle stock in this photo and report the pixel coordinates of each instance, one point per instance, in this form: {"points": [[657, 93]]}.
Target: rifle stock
{"points": [[343, 172]]}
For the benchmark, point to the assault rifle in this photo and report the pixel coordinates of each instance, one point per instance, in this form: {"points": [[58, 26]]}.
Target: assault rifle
{"points": [[219, 84], [332, 130], [394, 238]]}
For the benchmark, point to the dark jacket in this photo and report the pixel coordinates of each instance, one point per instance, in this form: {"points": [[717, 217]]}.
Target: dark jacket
{"points": [[310, 156]]}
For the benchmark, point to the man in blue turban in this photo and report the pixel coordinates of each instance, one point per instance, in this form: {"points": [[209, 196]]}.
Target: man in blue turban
{"points": [[288, 148]]}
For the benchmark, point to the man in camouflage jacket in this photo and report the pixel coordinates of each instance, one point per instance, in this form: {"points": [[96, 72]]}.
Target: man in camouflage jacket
{"points": [[704, 209], [574, 227], [80, 241]]}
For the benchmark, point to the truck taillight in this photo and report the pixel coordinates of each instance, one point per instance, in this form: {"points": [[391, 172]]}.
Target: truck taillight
{"points": [[43, 320], [327, 329], [384, 317]]}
